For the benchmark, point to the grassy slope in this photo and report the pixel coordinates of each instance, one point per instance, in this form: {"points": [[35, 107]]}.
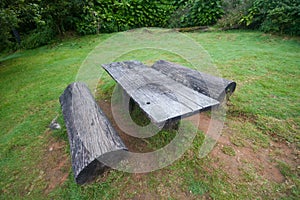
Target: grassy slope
{"points": [[267, 70], [30, 84], [265, 67]]}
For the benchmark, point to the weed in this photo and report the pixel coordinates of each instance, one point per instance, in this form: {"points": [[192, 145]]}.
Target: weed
{"points": [[198, 188], [228, 150]]}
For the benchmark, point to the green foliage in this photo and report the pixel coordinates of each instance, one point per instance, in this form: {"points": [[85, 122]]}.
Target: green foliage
{"points": [[197, 13], [40, 36], [234, 11], [58, 14], [8, 20], [281, 16], [16, 14], [38, 22], [204, 12], [111, 16]]}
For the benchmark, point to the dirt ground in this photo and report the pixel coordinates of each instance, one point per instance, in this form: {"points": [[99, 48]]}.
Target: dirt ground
{"points": [[56, 163]]}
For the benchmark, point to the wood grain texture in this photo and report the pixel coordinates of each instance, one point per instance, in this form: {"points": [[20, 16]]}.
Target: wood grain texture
{"points": [[161, 97], [212, 86], [93, 141]]}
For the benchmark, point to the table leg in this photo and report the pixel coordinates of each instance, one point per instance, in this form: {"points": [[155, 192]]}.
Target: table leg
{"points": [[171, 124], [132, 106]]}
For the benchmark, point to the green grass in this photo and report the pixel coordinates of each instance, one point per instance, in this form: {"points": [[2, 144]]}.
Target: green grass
{"points": [[228, 150], [264, 108], [30, 84]]}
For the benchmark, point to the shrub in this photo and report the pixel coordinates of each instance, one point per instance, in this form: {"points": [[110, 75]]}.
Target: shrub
{"points": [[41, 36], [112, 16], [234, 12], [282, 16], [8, 21], [197, 13], [204, 12]]}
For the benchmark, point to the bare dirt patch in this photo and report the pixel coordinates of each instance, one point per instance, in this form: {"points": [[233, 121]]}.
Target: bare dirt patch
{"points": [[133, 144], [56, 163], [260, 160], [263, 160]]}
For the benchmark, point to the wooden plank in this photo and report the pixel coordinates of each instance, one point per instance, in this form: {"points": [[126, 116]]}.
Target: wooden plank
{"points": [[159, 96], [91, 135], [212, 86]]}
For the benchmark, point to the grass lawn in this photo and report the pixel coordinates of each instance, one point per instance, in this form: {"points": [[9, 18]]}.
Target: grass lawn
{"points": [[257, 157]]}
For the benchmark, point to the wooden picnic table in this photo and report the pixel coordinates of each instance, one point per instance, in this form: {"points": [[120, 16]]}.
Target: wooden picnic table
{"points": [[166, 92], [158, 95]]}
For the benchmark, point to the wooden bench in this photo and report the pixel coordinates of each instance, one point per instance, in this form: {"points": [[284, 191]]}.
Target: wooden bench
{"points": [[93, 140], [217, 88]]}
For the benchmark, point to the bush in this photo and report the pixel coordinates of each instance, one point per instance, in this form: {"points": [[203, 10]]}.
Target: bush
{"points": [[8, 21], [111, 16], [281, 16], [203, 12], [39, 37], [196, 13], [38, 22], [235, 10]]}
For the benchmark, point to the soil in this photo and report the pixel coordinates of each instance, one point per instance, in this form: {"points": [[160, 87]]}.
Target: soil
{"points": [[233, 165], [263, 160], [132, 143], [56, 163]]}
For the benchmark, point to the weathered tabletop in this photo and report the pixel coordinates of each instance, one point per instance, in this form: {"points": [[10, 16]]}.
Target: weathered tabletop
{"points": [[159, 96]]}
